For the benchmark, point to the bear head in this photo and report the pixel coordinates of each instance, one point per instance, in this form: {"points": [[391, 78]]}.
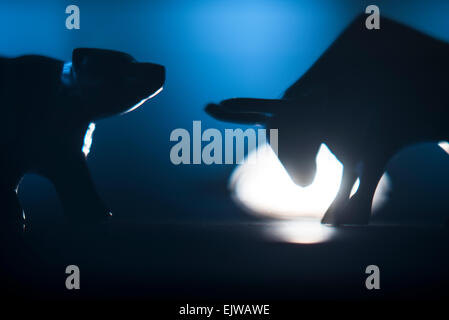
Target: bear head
{"points": [[107, 82]]}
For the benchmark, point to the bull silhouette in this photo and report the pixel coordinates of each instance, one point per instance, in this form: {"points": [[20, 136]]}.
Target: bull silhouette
{"points": [[370, 94]]}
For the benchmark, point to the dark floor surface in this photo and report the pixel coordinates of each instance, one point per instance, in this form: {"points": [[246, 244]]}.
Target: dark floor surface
{"points": [[224, 261]]}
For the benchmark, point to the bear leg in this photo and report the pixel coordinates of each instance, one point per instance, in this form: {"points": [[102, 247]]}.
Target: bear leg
{"points": [[74, 185]]}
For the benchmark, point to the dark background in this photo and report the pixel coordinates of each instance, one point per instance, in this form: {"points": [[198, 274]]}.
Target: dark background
{"points": [[213, 50]]}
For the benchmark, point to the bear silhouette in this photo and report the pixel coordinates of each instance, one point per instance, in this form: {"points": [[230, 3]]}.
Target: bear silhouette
{"points": [[371, 93], [47, 112]]}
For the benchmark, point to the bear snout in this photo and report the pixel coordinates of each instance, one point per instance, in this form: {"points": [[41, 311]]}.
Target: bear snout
{"points": [[149, 76]]}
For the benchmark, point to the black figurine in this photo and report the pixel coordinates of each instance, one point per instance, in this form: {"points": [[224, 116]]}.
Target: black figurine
{"points": [[370, 94], [47, 107]]}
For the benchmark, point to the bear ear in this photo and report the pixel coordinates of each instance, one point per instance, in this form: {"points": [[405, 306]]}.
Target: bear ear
{"points": [[86, 59], [79, 55], [98, 61], [84, 62]]}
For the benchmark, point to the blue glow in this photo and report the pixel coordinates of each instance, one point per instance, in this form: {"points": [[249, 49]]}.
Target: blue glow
{"points": [[66, 74]]}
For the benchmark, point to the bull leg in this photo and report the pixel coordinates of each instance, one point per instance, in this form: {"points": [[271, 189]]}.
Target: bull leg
{"points": [[358, 209], [348, 180]]}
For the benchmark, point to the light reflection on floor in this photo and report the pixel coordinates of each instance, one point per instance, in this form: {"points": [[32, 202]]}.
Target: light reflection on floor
{"points": [[301, 231]]}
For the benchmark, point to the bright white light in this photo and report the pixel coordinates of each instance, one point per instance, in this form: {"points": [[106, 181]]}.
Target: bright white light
{"points": [[444, 145], [143, 101], [264, 186], [88, 139]]}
